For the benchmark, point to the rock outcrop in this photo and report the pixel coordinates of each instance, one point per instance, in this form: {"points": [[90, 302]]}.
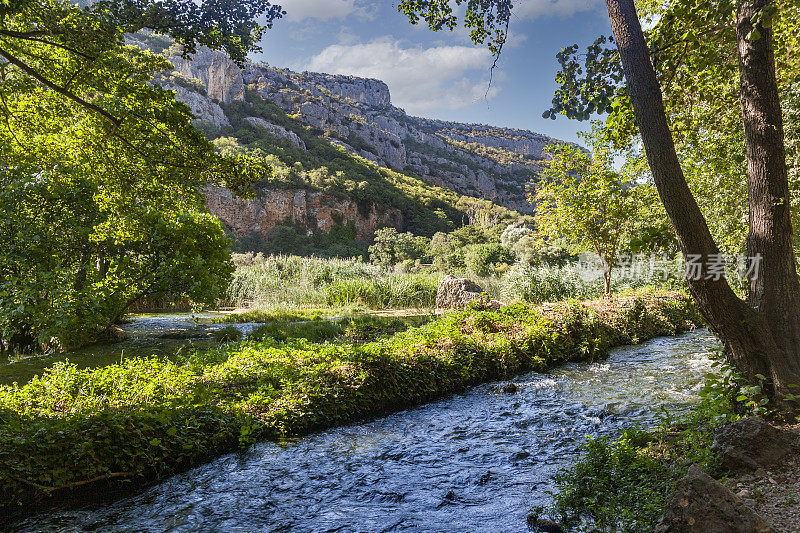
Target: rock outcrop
{"points": [[203, 108], [278, 131], [221, 77], [497, 164], [456, 293], [751, 443], [314, 212], [701, 504]]}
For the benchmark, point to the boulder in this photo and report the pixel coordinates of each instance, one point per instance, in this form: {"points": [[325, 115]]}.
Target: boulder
{"points": [[751, 443], [701, 504], [456, 293]]}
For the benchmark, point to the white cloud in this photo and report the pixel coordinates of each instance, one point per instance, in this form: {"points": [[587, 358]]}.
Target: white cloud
{"points": [[420, 79], [531, 9], [299, 10]]}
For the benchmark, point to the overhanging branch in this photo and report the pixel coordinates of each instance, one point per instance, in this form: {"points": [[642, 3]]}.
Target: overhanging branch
{"points": [[30, 71]]}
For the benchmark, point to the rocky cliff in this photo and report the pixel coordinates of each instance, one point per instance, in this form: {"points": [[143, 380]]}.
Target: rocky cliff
{"points": [[312, 211], [356, 114]]}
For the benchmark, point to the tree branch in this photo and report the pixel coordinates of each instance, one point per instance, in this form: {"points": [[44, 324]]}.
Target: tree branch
{"points": [[49, 43], [57, 88]]}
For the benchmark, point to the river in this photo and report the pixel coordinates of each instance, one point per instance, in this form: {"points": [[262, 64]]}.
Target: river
{"points": [[473, 462]]}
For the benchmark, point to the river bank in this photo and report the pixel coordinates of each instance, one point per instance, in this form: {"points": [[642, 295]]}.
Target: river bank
{"points": [[144, 419]]}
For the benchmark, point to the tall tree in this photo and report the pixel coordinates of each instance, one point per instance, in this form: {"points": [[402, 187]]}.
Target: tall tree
{"points": [[763, 335], [587, 202], [101, 170]]}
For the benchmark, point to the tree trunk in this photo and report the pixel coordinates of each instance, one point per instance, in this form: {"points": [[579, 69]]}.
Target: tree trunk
{"points": [[745, 331], [775, 292]]}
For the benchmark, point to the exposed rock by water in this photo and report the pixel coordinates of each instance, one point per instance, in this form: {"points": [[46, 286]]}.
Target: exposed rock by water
{"points": [[543, 525], [701, 504], [751, 443], [509, 388], [114, 334]]}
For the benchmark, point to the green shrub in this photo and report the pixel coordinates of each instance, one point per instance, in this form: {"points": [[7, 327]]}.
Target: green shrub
{"points": [[623, 484], [391, 247], [616, 485], [313, 331], [348, 329], [483, 259], [546, 284]]}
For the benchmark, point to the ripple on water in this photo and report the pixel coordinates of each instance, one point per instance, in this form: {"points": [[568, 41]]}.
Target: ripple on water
{"points": [[472, 462]]}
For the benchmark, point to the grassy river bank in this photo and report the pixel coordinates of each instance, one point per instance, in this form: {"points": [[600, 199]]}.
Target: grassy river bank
{"points": [[143, 419]]}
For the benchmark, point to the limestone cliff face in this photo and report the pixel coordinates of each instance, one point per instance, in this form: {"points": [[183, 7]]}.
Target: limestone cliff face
{"points": [[498, 164], [314, 212], [221, 76]]}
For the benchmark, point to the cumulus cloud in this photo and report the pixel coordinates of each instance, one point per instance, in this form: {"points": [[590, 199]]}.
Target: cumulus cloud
{"points": [[531, 9], [299, 10], [420, 79]]}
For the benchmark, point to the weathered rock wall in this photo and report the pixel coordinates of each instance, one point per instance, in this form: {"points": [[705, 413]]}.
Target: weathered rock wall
{"points": [[496, 164], [314, 212]]}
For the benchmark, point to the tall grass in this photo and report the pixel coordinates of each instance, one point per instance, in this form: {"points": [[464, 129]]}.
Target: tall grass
{"points": [[547, 283], [288, 281]]}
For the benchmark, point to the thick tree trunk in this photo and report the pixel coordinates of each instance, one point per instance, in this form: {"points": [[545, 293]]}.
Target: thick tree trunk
{"points": [[775, 292], [745, 331]]}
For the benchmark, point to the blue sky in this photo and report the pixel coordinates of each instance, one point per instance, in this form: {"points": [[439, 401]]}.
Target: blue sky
{"points": [[440, 75]]}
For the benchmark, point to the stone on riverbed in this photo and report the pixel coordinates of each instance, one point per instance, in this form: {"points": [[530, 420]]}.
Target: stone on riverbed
{"points": [[114, 334], [701, 504], [543, 525]]}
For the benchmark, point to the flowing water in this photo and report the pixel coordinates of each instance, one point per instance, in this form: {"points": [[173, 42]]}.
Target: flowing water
{"points": [[473, 462], [164, 334]]}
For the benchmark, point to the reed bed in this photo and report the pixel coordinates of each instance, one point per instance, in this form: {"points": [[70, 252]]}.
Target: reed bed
{"points": [[291, 281]]}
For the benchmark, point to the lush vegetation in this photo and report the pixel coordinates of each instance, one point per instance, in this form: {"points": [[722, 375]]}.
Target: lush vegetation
{"points": [[588, 203], [275, 287], [145, 418], [623, 483], [101, 171], [291, 281]]}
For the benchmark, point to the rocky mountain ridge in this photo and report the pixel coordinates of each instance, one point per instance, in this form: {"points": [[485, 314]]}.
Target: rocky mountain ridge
{"points": [[471, 159], [355, 114]]}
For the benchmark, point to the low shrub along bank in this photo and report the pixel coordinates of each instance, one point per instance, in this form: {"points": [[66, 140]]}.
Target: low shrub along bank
{"points": [[623, 484], [146, 418]]}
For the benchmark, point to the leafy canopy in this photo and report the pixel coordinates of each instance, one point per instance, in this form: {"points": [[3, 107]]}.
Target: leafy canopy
{"points": [[587, 202], [101, 170]]}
